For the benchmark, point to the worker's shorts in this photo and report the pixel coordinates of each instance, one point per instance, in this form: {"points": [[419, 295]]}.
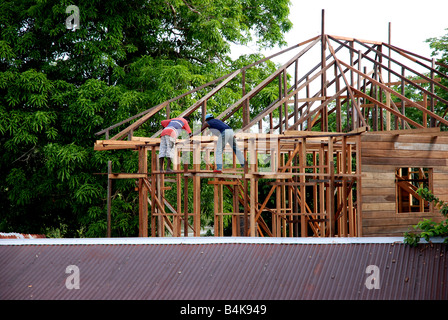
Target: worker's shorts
{"points": [[167, 146]]}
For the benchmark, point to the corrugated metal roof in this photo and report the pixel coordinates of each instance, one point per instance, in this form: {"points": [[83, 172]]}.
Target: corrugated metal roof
{"points": [[223, 271]]}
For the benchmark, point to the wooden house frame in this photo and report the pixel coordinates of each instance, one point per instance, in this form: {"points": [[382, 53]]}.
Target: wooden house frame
{"points": [[328, 175]]}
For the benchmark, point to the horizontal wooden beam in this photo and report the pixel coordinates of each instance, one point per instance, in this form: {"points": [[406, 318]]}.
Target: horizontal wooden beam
{"points": [[223, 182], [397, 83], [353, 39]]}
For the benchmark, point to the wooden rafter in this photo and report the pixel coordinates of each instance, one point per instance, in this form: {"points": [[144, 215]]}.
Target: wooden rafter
{"points": [[330, 210]]}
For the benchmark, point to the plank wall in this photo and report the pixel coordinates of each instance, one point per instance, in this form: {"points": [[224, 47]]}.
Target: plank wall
{"points": [[381, 155]]}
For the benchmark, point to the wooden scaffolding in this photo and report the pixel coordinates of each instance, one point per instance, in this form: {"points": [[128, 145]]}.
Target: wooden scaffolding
{"points": [[305, 146]]}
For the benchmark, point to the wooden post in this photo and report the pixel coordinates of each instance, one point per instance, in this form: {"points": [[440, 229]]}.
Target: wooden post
{"points": [[425, 105], [236, 209], [154, 165], [338, 102], [285, 93], [330, 199], [390, 52], [432, 102], [324, 117], [343, 219], [109, 200], [330, 190], [358, 187], [380, 90], [275, 218], [253, 203], [351, 218], [302, 164], [159, 194], [196, 190], [246, 114], [296, 96], [388, 112], [204, 110], [143, 192], [216, 206], [177, 218], [403, 109], [185, 201], [253, 188], [322, 188], [280, 96]]}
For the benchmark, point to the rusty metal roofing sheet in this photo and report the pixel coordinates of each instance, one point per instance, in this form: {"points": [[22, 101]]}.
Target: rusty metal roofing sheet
{"points": [[225, 271]]}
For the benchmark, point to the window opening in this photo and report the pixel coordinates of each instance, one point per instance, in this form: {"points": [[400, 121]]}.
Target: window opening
{"points": [[407, 181]]}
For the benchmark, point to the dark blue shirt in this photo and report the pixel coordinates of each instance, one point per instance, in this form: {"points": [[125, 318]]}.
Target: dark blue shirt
{"points": [[217, 125]]}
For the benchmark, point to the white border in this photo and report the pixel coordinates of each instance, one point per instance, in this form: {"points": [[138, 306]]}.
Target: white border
{"points": [[199, 240], [206, 240]]}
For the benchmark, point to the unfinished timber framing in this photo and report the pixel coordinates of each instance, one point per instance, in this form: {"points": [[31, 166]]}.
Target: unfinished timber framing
{"points": [[307, 153]]}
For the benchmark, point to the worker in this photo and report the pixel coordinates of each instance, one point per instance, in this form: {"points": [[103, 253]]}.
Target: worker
{"points": [[172, 128], [225, 135]]}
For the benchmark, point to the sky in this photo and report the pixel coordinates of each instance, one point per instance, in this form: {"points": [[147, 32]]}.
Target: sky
{"points": [[412, 22]]}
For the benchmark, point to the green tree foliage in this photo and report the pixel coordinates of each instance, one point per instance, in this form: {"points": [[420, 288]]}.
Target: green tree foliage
{"points": [[60, 86], [427, 228]]}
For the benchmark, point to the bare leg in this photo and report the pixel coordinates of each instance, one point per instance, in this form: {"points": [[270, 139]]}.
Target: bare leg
{"points": [[161, 160], [168, 165]]}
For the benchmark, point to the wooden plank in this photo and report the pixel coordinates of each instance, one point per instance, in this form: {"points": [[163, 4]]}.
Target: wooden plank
{"points": [[378, 198], [213, 175], [440, 183], [441, 192], [378, 175], [383, 216], [370, 141], [418, 138], [378, 191], [352, 39], [405, 162], [378, 206], [381, 153], [375, 183], [419, 131], [376, 168], [419, 81], [268, 175], [420, 146], [440, 175], [388, 225], [440, 169], [219, 182], [127, 175], [377, 145], [306, 134]]}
